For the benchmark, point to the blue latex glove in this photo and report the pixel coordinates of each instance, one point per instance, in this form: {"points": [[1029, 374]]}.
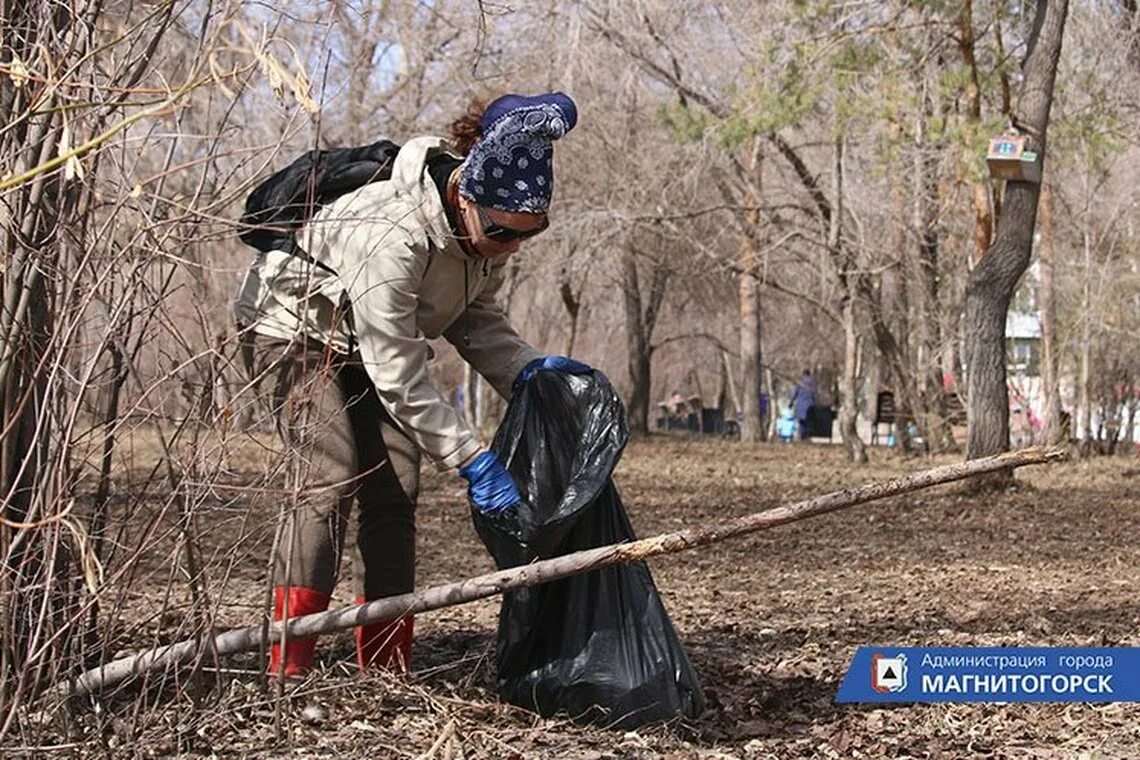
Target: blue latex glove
{"points": [[556, 363], [489, 486]]}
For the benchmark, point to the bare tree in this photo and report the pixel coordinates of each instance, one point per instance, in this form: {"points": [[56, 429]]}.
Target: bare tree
{"points": [[750, 279], [992, 282], [641, 298], [1050, 364]]}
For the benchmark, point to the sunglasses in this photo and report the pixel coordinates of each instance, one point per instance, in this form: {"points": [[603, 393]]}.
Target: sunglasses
{"points": [[501, 234]]}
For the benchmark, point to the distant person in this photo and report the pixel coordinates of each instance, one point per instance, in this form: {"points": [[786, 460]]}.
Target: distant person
{"points": [[1036, 425], [786, 426], [417, 256], [804, 397], [677, 404], [1020, 428]]}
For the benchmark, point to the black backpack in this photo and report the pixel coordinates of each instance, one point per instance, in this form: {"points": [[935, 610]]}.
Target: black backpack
{"points": [[287, 200]]}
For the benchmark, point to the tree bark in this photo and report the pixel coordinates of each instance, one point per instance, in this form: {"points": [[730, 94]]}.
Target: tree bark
{"points": [[640, 321], [720, 400], [773, 410], [751, 359], [888, 303], [1085, 379], [991, 283], [852, 443], [848, 280], [572, 302], [893, 356], [983, 216], [932, 422], [638, 349], [752, 428], [1050, 366]]}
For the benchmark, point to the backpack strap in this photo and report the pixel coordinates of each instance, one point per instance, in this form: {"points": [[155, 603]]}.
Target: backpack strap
{"points": [[293, 248], [344, 308]]}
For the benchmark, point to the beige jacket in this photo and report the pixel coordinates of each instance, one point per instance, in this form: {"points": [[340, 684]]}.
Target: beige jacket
{"points": [[408, 281]]}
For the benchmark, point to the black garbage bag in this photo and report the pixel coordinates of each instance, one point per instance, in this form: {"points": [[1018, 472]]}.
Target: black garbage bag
{"points": [[598, 647]]}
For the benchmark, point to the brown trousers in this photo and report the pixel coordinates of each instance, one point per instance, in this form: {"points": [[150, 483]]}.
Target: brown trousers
{"points": [[342, 447]]}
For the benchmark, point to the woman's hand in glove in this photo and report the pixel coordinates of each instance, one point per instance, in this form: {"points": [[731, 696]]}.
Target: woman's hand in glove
{"points": [[490, 487]]}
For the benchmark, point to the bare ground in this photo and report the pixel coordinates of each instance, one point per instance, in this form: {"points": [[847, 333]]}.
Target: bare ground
{"points": [[770, 622]]}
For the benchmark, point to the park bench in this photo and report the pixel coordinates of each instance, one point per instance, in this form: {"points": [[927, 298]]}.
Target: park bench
{"points": [[953, 406], [884, 415]]}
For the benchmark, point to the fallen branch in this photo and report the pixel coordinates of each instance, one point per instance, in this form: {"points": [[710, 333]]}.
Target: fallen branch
{"points": [[542, 571]]}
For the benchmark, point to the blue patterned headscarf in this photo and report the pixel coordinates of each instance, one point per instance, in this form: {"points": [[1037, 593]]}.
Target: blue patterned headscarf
{"points": [[510, 167]]}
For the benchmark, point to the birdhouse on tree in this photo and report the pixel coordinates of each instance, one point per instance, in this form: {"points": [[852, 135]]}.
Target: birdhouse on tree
{"points": [[1008, 159]]}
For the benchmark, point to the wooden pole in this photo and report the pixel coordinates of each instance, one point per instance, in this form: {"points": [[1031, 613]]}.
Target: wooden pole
{"points": [[542, 571]]}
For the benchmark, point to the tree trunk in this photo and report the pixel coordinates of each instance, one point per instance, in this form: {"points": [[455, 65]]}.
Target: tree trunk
{"points": [[983, 217], [893, 356], [1050, 366], [638, 404], [721, 398], [849, 280], [640, 320], [1085, 380], [752, 429], [991, 283], [891, 299], [932, 422], [852, 443], [732, 392], [572, 302], [773, 410], [637, 348]]}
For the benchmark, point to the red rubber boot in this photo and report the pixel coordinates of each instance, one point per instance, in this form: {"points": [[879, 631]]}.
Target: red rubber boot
{"points": [[299, 601], [386, 644]]}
